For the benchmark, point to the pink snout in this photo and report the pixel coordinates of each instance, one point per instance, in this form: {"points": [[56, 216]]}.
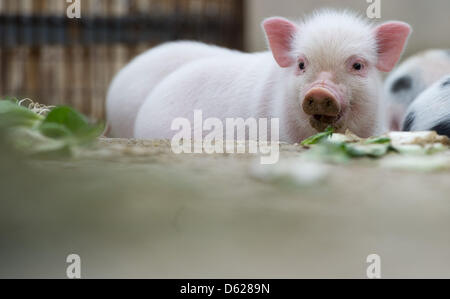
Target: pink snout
{"points": [[321, 102], [324, 103]]}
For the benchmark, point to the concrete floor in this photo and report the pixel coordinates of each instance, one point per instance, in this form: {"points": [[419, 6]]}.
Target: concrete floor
{"points": [[132, 209]]}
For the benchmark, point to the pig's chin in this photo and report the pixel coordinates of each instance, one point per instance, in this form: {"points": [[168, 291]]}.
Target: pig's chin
{"points": [[322, 122]]}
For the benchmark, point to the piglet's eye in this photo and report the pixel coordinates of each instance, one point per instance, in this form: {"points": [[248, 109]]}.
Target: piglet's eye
{"points": [[358, 66], [302, 66]]}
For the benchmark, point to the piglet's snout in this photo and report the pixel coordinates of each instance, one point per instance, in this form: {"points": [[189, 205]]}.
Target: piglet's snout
{"points": [[320, 101]]}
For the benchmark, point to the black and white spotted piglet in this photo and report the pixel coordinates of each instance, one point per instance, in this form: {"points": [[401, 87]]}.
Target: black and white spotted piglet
{"points": [[430, 111], [410, 79]]}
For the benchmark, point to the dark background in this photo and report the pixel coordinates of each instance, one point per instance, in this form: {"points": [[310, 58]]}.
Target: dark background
{"points": [[52, 59]]}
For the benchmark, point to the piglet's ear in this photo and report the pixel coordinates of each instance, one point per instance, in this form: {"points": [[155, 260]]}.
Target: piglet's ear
{"points": [[280, 33], [391, 38]]}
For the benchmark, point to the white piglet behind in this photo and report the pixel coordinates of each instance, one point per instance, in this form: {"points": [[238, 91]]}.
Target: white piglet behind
{"points": [[320, 72], [132, 84]]}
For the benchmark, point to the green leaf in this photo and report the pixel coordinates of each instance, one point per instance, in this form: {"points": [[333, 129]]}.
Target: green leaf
{"points": [[13, 115], [65, 122], [367, 150], [54, 130], [318, 137], [327, 151], [32, 142], [378, 140], [71, 119], [57, 134]]}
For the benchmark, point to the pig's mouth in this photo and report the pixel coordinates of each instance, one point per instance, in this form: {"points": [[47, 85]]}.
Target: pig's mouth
{"points": [[322, 122]]}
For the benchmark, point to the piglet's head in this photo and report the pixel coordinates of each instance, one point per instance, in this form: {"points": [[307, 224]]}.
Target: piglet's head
{"points": [[333, 61]]}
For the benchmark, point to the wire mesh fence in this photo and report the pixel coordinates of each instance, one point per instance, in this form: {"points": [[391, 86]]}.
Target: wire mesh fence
{"points": [[52, 59]]}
